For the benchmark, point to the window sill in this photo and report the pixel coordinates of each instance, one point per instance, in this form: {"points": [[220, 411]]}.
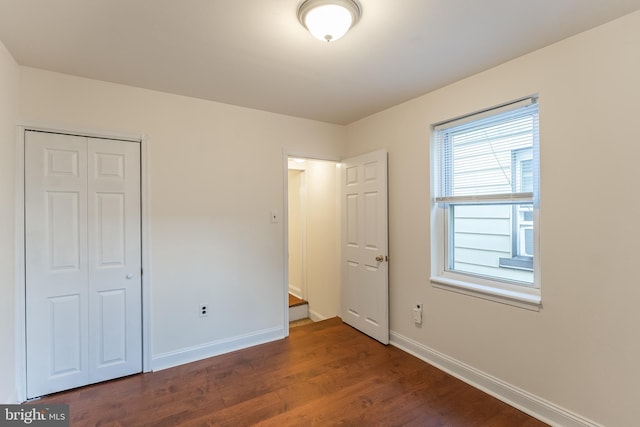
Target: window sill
{"points": [[526, 300]]}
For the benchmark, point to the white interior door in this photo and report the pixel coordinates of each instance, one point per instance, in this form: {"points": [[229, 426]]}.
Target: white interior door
{"points": [[83, 278], [56, 262], [365, 273], [114, 256]]}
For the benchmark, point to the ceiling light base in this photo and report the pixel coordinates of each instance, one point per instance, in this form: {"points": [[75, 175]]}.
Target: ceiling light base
{"points": [[329, 20]]}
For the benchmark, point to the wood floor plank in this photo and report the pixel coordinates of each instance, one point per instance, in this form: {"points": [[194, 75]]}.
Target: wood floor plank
{"points": [[325, 373]]}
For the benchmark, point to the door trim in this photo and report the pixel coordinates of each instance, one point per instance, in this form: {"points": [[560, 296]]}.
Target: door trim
{"points": [[20, 295], [286, 153]]}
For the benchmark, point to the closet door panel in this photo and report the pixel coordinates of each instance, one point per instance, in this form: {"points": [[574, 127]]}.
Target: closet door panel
{"points": [[114, 259], [57, 306]]}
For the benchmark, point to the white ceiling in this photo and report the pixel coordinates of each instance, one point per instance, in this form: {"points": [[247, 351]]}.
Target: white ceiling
{"points": [[255, 53]]}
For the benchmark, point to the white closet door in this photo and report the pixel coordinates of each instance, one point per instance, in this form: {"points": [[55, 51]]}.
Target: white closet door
{"points": [[114, 265], [56, 262], [81, 234]]}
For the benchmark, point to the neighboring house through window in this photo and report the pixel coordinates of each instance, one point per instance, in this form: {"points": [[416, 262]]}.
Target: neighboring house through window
{"points": [[485, 198]]}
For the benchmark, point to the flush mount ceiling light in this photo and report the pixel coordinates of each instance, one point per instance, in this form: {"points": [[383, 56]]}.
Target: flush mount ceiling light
{"points": [[328, 20]]}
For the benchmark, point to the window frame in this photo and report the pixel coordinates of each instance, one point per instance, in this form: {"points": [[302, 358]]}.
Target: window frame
{"points": [[519, 259], [492, 288]]}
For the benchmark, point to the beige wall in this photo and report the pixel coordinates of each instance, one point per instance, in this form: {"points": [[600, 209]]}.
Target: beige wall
{"points": [[215, 174], [9, 83], [581, 350], [323, 239]]}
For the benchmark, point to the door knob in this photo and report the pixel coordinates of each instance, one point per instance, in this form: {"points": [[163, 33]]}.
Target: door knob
{"points": [[129, 276], [380, 258]]}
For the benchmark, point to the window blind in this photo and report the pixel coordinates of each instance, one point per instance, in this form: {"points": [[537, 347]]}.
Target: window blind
{"points": [[485, 157]]}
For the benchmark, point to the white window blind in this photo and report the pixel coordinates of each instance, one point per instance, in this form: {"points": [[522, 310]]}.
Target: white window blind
{"points": [[479, 156]]}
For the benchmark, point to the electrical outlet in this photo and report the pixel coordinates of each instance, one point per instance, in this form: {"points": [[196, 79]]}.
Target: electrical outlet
{"points": [[417, 314], [204, 310]]}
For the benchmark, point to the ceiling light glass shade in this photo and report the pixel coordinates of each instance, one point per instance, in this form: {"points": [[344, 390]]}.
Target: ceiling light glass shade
{"points": [[328, 20]]}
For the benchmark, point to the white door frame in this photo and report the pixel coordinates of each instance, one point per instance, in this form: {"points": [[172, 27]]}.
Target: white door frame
{"points": [[20, 297], [286, 153]]}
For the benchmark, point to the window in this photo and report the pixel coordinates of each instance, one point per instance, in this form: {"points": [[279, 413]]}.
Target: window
{"points": [[485, 199]]}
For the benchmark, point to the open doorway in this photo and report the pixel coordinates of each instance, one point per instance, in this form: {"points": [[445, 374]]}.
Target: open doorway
{"points": [[313, 238]]}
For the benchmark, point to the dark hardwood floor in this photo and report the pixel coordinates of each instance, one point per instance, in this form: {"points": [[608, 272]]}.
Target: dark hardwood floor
{"points": [[325, 373]]}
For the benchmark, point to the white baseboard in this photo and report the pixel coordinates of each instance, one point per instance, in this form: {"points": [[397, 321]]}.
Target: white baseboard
{"points": [[317, 317], [215, 348], [526, 402]]}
